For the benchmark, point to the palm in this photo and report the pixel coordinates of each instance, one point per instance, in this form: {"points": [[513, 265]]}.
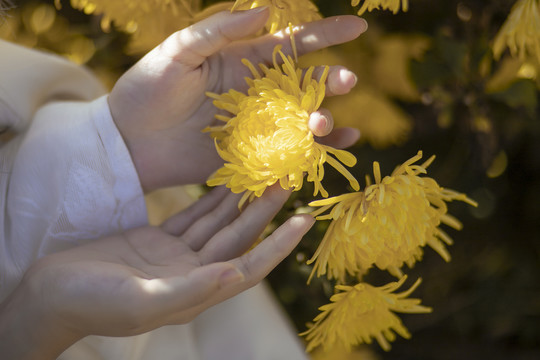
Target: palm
{"points": [[148, 253], [153, 276], [119, 275]]}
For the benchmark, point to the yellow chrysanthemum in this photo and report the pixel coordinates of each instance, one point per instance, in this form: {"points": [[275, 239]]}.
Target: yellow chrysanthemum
{"points": [[148, 21], [392, 5], [282, 12], [521, 31], [267, 139], [386, 225], [358, 314]]}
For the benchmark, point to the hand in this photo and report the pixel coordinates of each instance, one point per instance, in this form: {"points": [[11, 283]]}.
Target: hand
{"points": [[160, 106], [148, 277]]}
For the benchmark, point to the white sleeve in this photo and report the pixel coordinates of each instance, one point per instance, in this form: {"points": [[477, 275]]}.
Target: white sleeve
{"points": [[66, 176], [71, 180]]}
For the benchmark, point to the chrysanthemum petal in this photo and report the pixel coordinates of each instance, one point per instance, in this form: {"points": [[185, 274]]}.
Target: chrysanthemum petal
{"points": [[267, 139], [520, 32], [392, 5], [336, 165], [282, 12], [387, 225], [358, 314]]}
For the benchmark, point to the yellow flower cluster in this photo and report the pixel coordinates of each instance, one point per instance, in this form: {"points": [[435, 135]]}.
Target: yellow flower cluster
{"points": [[386, 225], [359, 313], [392, 5], [129, 13], [282, 12], [36, 25], [521, 31], [266, 139], [148, 21]]}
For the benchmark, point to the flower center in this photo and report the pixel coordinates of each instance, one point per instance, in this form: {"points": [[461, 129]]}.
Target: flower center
{"points": [[271, 131]]}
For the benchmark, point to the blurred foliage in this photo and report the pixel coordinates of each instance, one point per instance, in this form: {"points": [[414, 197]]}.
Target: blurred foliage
{"points": [[427, 80]]}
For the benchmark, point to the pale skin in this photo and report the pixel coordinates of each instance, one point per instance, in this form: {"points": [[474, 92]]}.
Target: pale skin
{"points": [[145, 278]]}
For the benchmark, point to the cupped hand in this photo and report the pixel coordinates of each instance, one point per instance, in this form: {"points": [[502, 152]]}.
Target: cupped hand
{"points": [[160, 106], [149, 277]]}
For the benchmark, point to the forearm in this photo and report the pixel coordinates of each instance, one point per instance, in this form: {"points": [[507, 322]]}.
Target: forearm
{"points": [[28, 330]]}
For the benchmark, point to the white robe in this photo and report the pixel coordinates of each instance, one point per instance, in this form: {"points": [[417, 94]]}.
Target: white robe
{"points": [[66, 177]]}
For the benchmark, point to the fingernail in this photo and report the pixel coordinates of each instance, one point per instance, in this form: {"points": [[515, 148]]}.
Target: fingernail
{"points": [[355, 79], [231, 276], [365, 24], [345, 76], [304, 220], [317, 123]]}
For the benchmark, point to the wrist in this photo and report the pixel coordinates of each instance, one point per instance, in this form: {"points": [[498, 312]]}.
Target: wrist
{"points": [[29, 326], [132, 136]]}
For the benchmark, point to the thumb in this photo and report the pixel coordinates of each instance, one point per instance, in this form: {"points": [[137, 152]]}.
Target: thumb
{"points": [[192, 45]]}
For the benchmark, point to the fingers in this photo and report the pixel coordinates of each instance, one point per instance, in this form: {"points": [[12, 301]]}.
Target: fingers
{"points": [[321, 122], [258, 263], [180, 299], [236, 238], [206, 227], [184, 294], [340, 81], [192, 45], [326, 32], [310, 37], [177, 224], [341, 138]]}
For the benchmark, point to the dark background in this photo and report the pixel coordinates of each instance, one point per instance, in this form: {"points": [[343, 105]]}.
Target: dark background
{"points": [[486, 301]]}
